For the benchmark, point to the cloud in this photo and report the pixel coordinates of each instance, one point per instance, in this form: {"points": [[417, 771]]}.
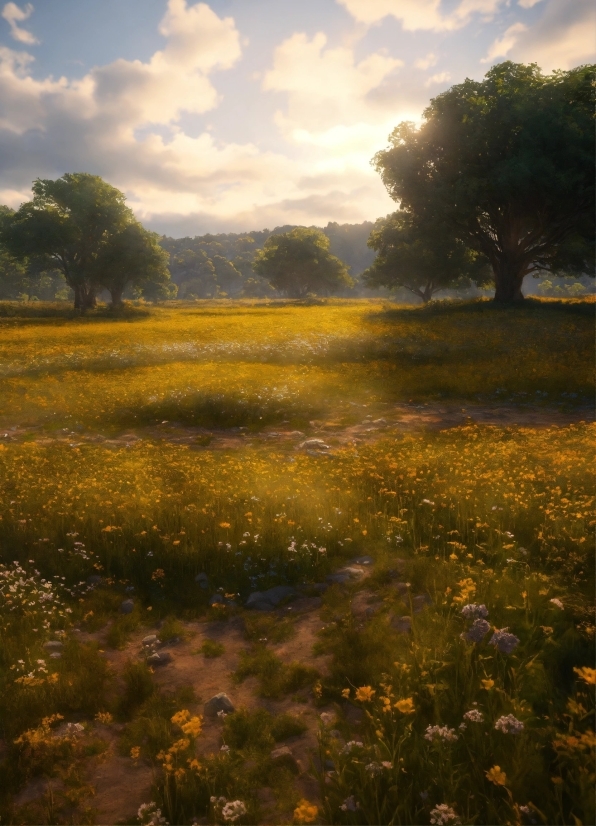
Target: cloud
{"points": [[503, 45], [528, 4], [13, 16], [426, 62], [441, 77], [561, 39], [416, 15]]}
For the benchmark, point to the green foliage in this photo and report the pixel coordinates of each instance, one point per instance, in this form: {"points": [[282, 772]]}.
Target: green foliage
{"points": [[171, 629], [212, 649], [508, 165], [298, 263], [138, 688], [258, 729], [422, 259], [276, 678]]}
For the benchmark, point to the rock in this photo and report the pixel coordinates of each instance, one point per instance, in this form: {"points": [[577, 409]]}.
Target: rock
{"points": [[420, 602], [401, 587], [380, 421], [296, 433], [220, 702], [270, 599], [53, 645], [150, 639], [363, 560], [343, 575], [365, 605], [202, 579], [284, 757], [313, 444], [56, 655], [321, 587], [402, 624], [163, 658], [329, 765], [217, 599], [127, 607], [353, 715], [94, 579]]}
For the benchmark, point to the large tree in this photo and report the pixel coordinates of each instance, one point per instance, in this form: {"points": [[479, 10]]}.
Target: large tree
{"points": [[508, 165], [298, 263], [423, 260], [67, 226]]}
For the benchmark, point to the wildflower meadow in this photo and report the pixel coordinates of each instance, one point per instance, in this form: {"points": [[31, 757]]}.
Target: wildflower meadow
{"points": [[266, 562]]}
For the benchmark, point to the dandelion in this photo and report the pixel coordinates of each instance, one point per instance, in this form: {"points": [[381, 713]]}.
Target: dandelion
{"points": [[443, 814], [405, 706], [233, 811], [586, 674], [444, 733], [477, 632], [496, 776], [365, 694], [509, 724], [487, 684], [504, 641], [473, 611], [305, 812], [474, 716], [349, 804]]}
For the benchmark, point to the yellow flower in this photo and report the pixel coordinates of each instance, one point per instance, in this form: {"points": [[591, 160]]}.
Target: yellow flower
{"points": [[317, 689], [487, 684], [224, 524], [135, 752], [365, 693], [496, 776], [104, 717], [346, 693], [586, 674], [181, 717], [194, 764], [405, 706], [305, 812], [194, 726]]}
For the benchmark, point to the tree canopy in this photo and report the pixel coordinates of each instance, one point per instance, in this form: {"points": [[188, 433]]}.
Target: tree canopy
{"points": [[81, 226], [298, 263], [507, 164]]}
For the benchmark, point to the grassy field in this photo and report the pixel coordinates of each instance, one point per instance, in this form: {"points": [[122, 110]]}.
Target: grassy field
{"points": [[118, 483]]}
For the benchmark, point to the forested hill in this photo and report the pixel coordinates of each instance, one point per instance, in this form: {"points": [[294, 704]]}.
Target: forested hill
{"points": [[207, 266]]}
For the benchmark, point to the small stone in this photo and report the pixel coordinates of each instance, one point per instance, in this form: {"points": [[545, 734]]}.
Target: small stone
{"points": [[202, 579], [402, 624], [217, 599], [380, 421], [402, 587], [270, 599], [150, 639], [365, 604], [321, 587], [363, 560], [284, 757], [56, 655], [343, 575], [220, 702], [127, 607], [313, 444], [53, 645], [164, 658], [420, 602]]}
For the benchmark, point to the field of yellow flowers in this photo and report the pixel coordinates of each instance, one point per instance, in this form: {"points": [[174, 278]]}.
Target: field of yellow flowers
{"points": [[459, 679]]}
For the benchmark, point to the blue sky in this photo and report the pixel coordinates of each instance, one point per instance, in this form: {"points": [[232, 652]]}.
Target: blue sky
{"points": [[235, 115]]}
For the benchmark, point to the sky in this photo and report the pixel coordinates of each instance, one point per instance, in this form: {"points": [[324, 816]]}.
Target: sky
{"points": [[235, 115]]}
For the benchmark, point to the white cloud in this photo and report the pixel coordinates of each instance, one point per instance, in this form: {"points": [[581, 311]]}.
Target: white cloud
{"points": [[440, 77], [528, 4], [503, 45], [562, 38], [15, 15], [426, 62], [417, 15]]}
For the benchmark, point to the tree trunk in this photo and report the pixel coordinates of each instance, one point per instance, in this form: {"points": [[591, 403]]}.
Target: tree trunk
{"points": [[85, 298], [116, 296], [508, 282]]}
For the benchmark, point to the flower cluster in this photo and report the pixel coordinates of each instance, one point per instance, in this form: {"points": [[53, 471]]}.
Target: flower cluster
{"points": [[444, 733], [474, 716], [352, 744], [229, 810], [191, 726], [150, 815], [504, 641], [509, 724], [479, 629], [305, 812], [349, 804], [473, 611], [443, 814]]}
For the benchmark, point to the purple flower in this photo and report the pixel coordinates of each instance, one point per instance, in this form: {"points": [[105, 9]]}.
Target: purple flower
{"points": [[473, 611], [477, 632], [504, 641]]}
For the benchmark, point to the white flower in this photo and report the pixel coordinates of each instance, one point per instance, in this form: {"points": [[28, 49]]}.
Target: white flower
{"points": [[373, 768], [150, 815], [387, 764], [225, 749], [557, 602], [442, 732], [474, 716], [349, 804], [233, 810], [443, 814], [509, 724], [353, 744], [473, 611]]}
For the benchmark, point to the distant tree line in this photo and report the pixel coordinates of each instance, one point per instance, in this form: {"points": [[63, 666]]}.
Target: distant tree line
{"points": [[497, 183]]}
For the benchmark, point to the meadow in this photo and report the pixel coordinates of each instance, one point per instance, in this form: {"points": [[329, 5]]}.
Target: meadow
{"points": [[450, 676]]}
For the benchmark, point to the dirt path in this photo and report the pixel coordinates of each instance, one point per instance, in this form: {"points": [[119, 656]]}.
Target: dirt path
{"points": [[387, 421]]}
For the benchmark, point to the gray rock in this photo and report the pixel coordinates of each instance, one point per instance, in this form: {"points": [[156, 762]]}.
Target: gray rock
{"points": [[313, 444], [270, 599], [127, 607], [363, 560], [202, 579], [402, 624], [217, 599], [220, 702], [353, 715], [163, 658], [343, 575], [365, 605], [284, 757], [321, 587], [420, 602], [150, 639], [401, 587], [55, 656], [53, 645]]}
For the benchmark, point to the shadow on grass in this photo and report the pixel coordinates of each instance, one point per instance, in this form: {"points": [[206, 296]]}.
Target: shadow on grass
{"points": [[485, 306], [60, 311]]}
